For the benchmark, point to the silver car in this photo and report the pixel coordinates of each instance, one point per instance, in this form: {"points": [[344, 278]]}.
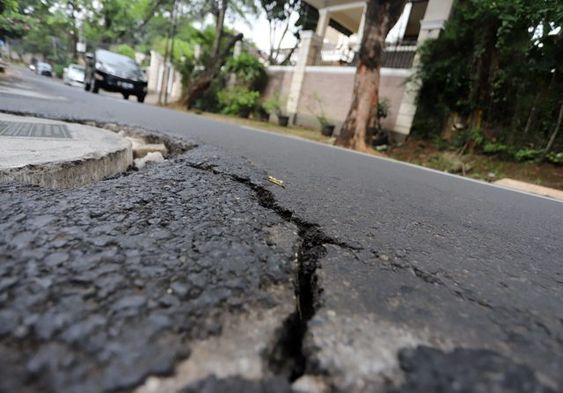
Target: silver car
{"points": [[73, 75], [44, 69]]}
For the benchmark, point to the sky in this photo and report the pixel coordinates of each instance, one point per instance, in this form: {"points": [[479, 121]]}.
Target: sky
{"points": [[257, 30]]}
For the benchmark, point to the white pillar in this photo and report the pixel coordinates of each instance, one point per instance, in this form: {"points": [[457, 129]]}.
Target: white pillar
{"points": [[236, 53], [154, 74], [436, 15], [306, 56], [322, 23], [362, 24]]}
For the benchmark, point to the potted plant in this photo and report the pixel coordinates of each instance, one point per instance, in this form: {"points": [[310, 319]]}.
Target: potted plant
{"points": [[238, 101], [261, 113], [327, 128], [379, 136], [274, 106]]}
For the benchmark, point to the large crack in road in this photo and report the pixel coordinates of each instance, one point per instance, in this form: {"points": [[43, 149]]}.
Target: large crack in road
{"points": [[287, 357]]}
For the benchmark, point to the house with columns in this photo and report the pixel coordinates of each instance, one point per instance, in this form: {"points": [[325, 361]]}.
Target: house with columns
{"points": [[321, 80]]}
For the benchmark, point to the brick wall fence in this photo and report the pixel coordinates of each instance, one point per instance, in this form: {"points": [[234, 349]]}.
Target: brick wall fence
{"points": [[329, 89]]}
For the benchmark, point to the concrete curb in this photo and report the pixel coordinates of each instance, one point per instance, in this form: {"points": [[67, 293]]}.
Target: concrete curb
{"points": [[92, 154]]}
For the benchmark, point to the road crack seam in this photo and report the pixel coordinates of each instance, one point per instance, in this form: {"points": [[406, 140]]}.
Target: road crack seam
{"points": [[286, 356]]}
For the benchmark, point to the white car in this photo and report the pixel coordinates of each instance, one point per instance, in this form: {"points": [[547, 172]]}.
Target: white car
{"points": [[44, 69], [73, 75]]}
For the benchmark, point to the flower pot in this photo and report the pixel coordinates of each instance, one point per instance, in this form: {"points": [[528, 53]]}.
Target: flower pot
{"points": [[244, 112], [263, 116], [283, 121], [327, 129]]}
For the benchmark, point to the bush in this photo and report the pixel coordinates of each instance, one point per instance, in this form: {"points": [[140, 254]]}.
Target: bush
{"points": [[124, 50], [58, 69], [383, 108], [250, 72], [495, 148], [527, 154], [555, 158], [274, 106], [238, 101], [440, 143], [463, 137]]}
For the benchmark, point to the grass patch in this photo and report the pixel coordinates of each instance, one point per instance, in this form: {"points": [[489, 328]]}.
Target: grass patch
{"points": [[300, 132], [478, 166]]}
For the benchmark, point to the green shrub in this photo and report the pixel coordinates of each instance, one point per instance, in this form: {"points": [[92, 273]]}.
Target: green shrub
{"points": [[440, 143], [58, 69], [124, 50], [383, 108], [274, 106], [495, 148], [238, 101], [250, 72], [527, 154], [555, 158], [463, 137]]}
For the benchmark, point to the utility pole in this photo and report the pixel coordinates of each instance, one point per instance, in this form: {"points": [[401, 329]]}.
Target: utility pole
{"points": [[174, 23], [162, 96]]}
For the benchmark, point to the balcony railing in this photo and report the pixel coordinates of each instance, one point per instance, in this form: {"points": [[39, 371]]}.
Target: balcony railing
{"points": [[394, 56]]}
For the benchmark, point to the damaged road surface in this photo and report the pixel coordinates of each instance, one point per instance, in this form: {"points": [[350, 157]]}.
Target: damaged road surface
{"points": [[104, 286], [189, 276], [198, 274]]}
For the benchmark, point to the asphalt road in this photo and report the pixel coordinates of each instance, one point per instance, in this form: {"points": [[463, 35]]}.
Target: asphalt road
{"points": [[470, 274]]}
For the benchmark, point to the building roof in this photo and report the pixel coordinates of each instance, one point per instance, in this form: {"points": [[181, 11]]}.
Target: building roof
{"points": [[346, 13]]}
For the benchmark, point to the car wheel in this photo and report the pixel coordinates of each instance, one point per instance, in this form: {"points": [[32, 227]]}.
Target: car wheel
{"points": [[125, 96], [141, 98]]}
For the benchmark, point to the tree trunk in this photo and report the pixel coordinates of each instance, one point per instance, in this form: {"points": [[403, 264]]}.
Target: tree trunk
{"points": [[555, 131], [381, 15], [219, 26], [74, 30], [203, 81]]}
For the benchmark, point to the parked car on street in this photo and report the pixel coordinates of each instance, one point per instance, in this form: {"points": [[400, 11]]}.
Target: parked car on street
{"points": [[44, 69], [73, 75], [114, 72]]}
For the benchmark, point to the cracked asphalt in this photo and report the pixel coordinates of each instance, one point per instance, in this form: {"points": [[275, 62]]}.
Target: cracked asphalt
{"points": [[103, 285], [406, 280]]}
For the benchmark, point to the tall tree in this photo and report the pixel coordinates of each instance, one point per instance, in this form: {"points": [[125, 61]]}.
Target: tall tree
{"points": [[278, 14], [223, 45], [381, 16]]}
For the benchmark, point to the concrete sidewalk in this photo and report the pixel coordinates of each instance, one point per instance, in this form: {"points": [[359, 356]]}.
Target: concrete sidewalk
{"points": [[531, 188]]}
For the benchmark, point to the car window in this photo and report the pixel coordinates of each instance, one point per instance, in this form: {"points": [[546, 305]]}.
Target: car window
{"points": [[117, 60], [76, 67]]}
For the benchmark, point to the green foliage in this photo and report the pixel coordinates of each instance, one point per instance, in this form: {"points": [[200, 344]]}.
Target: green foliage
{"points": [[249, 71], [473, 136], [279, 15], [238, 101], [440, 143], [125, 50], [274, 105], [58, 69], [512, 154], [497, 66], [8, 6], [555, 158], [209, 101], [383, 108], [496, 148], [527, 154]]}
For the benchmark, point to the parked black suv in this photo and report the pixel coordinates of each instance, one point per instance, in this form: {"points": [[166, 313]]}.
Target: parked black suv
{"points": [[114, 72]]}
